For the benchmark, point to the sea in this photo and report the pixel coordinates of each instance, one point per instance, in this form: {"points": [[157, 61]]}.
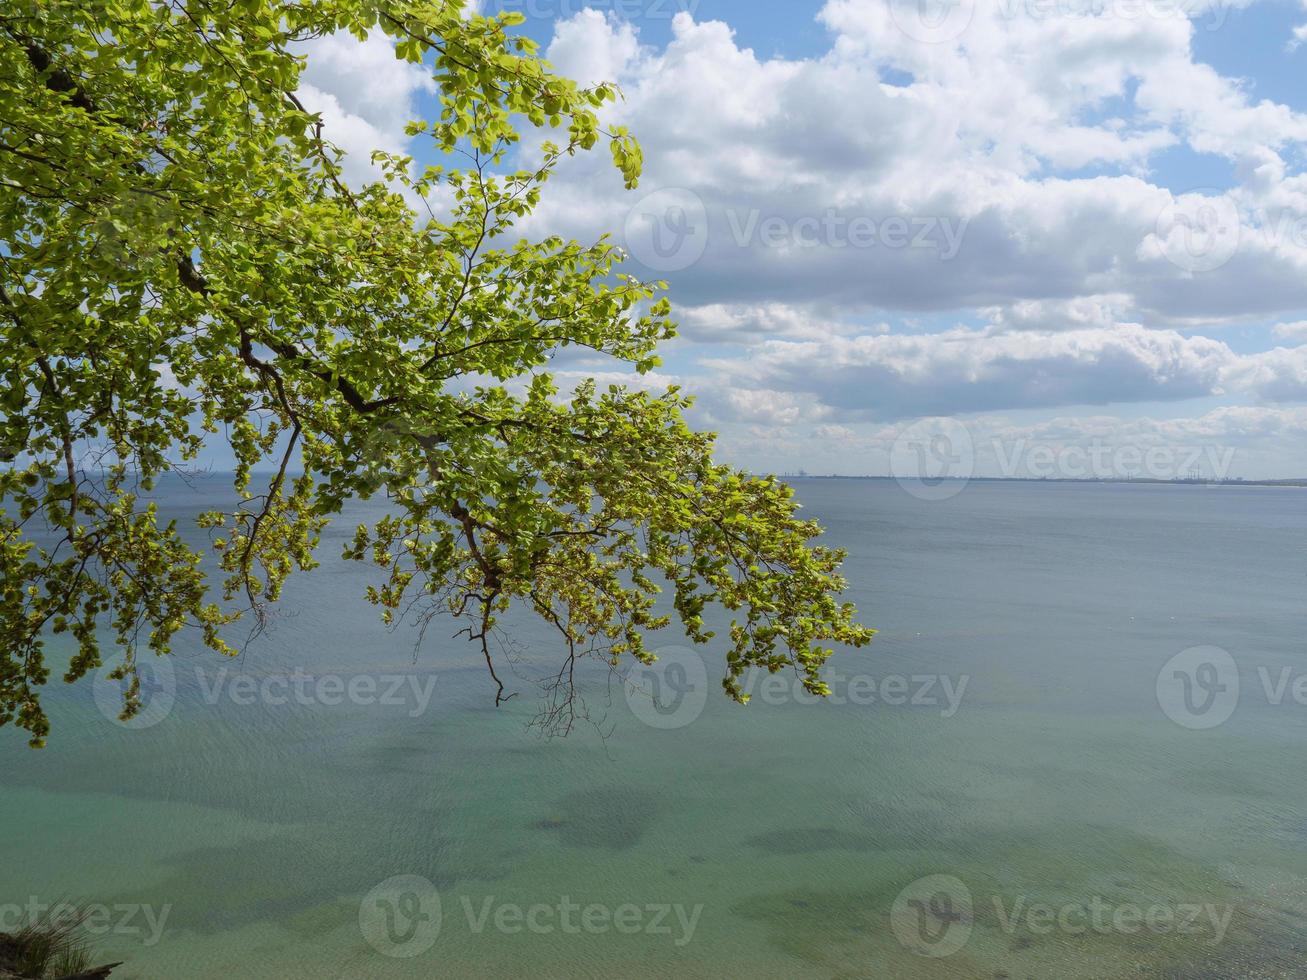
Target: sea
{"points": [[1075, 748]]}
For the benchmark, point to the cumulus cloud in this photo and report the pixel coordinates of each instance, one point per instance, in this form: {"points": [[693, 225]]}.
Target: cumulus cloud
{"points": [[593, 47], [770, 406], [1233, 441], [1076, 313], [1278, 375], [364, 94], [966, 370], [745, 322], [1220, 444], [1299, 34], [978, 221], [979, 154], [1296, 331]]}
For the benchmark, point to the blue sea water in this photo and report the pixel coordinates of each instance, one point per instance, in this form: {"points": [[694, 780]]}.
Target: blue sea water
{"points": [[1024, 775]]}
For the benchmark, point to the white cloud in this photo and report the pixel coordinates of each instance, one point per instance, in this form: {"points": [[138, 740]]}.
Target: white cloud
{"points": [[770, 406], [836, 433], [1299, 32], [1034, 133], [365, 95], [1076, 313], [592, 47], [718, 322], [1292, 331], [965, 370], [1278, 375], [979, 140]]}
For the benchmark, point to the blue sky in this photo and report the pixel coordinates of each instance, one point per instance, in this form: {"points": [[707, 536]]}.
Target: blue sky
{"points": [[1053, 223], [789, 29]]}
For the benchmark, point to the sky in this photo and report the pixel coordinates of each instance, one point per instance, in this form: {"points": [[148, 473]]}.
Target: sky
{"points": [[1040, 237]]}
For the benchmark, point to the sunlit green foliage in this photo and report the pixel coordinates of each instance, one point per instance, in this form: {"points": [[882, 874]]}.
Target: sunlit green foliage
{"points": [[183, 262]]}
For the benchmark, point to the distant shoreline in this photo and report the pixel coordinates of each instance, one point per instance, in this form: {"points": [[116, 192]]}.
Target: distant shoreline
{"points": [[1272, 484], [1282, 484]]}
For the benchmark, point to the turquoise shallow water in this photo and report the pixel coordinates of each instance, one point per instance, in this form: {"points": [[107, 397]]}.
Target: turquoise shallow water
{"points": [[779, 840]]}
